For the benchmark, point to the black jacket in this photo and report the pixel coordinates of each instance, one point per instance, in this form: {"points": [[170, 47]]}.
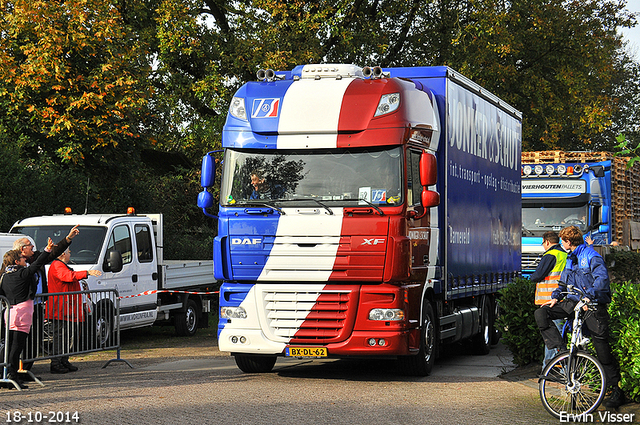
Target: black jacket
{"points": [[19, 285]]}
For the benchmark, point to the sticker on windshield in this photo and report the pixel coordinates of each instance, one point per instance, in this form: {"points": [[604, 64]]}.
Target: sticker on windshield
{"points": [[379, 196], [364, 195]]}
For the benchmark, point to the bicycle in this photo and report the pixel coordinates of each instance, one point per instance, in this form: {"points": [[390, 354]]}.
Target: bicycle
{"points": [[573, 383]]}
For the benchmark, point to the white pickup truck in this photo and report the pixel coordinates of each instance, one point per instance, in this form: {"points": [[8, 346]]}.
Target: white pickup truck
{"points": [[128, 249]]}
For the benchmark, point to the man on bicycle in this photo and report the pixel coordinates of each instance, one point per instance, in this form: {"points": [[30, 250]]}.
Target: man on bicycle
{"points": [[547, 276], [585, 269]]}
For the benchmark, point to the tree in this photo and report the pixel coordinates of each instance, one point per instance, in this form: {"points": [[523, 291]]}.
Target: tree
{"points": [[561, 63], [73, 80]]}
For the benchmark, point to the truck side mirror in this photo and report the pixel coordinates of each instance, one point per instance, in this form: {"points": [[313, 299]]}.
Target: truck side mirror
{"points": [[207, 179], [430, 198], [428, 169], [205, 199], [604, 214], [208, 174], [113, 262], [428, 177]]}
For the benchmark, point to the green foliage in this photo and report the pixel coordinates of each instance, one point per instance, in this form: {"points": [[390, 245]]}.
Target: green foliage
{"points": [[561, 63], [521, 335], [625, 331], [523, 339], [623, 266], [73, 78]]}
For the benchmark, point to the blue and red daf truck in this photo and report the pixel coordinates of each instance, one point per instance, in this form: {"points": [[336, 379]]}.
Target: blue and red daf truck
{"points": [[363, 212], [594, 191]]}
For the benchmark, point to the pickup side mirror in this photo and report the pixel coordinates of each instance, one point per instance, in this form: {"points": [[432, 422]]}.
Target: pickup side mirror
{"points": [[113, 262]]}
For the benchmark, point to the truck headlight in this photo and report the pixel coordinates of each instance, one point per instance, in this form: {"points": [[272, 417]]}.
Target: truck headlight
{"points": [[386, 314], [237, 108], [388, 103], [233, 313]]}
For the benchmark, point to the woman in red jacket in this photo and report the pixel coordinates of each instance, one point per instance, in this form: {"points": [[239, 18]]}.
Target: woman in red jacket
{"points": [[65, 310]]}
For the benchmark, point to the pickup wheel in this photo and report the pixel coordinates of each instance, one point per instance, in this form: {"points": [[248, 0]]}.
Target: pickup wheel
{"points": [[255, 363], [102, 326], [186, 322], [422, 363], [482, 341]]}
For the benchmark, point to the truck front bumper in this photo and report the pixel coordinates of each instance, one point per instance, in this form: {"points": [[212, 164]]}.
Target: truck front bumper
{"points": [[360, 343]]}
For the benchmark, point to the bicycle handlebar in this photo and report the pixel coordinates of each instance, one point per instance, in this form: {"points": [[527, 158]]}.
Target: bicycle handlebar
{"points": [[572, 289]]}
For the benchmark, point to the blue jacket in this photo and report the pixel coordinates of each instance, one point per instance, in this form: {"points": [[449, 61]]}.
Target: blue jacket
{"points": [[585, 269]]}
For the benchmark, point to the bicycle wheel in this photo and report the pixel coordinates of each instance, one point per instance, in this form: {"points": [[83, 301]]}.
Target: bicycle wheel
{"points": [[572, 394]]}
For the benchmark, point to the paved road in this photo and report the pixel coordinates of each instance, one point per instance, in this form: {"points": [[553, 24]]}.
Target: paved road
{"points": [[192, 388]]}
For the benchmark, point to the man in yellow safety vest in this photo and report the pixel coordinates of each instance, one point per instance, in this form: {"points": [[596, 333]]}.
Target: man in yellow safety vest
{"points": [[547, 275]]}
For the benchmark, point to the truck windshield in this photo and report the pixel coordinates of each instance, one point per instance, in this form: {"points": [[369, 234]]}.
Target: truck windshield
{"points": [[85, 247], [336, 176], [539, 218]]}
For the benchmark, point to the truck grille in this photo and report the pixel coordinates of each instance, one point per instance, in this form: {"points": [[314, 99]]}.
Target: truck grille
{"points": [[308, 316], [530, 261]]}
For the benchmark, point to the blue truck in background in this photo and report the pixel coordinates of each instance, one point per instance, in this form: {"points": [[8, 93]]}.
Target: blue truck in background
{"points": [[591, 190], [363, 212]]}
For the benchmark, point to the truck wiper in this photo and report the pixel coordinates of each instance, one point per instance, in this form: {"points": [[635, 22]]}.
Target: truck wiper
{"points": [[525, 231], [261, 204], [310, 199], [368, 203]]}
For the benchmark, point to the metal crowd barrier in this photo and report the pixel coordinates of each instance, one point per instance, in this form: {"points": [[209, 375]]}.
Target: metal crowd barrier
{"points": [[70, 324]]}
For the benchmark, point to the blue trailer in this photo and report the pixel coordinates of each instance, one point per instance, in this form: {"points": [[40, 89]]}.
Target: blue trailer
{"points": [[364, 212]]}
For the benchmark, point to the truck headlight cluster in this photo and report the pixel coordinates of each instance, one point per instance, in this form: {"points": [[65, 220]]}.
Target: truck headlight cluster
{"points": [[388, 103], [237, 108], [233, 313], [386, 314]]}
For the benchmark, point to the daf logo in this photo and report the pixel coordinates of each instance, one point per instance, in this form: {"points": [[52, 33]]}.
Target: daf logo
{"points": [[246, 241], [374, 241]]}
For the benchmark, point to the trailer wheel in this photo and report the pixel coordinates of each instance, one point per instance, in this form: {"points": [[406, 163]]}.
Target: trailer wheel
{"points": [[186, 322], [255, 363], [422, 363], [496, 333], [482, 341]]}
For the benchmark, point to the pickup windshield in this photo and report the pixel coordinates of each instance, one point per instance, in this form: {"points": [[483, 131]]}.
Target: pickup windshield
{"points": [[85, 247], [312, 177]]}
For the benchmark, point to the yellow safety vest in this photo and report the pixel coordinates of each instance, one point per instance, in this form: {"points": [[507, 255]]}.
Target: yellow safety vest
{"points": [[545, 288]]}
